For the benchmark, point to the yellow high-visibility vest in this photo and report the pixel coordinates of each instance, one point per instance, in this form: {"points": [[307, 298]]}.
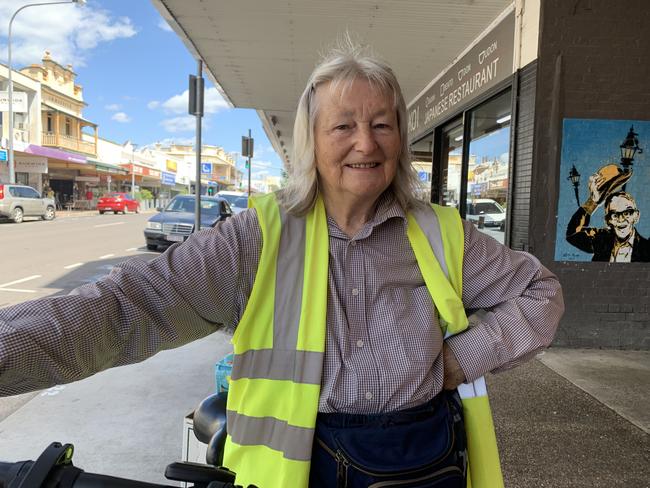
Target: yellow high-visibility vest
{"points": [[279, 344]]}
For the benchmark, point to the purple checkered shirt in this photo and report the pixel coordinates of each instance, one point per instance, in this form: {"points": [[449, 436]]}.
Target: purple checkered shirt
{"points": [[383, 349]]}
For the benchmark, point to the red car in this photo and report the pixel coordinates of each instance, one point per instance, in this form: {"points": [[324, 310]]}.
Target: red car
{"points": [[117, 202]]}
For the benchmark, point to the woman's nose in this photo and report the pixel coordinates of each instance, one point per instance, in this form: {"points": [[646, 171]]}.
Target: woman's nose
{"points": [[365, 140]]}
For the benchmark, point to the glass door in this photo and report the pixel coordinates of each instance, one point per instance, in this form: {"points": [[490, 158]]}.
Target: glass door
{"points": [[422, 157], [451, 163]]}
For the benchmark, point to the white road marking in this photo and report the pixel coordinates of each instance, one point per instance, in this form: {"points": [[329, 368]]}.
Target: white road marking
{"points": [[33, 277], [132, 249], [17, 290], [70, 266], [105, 256], [108, 225]]}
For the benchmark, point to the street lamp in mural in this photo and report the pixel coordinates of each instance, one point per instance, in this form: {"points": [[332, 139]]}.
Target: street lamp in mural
{"points": [[574, 176], [629, 148]]}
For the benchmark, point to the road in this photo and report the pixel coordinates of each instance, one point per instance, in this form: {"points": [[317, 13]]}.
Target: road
{"points": [[41, 258], [51, 258], [108, 417]]}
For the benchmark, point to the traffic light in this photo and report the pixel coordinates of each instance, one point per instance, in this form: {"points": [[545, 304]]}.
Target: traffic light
{"points": [[210, 191], [246, 164]]}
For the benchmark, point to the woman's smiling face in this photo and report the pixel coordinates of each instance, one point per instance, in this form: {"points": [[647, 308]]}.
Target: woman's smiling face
{"points": [[357, 140]]}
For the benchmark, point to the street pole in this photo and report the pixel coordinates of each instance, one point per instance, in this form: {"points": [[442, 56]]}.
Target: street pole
{"points": [[132, 170], [197, 100], [10, 89], [249, 163]]}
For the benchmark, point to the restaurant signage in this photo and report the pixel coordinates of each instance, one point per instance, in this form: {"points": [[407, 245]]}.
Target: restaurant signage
{"points": [[486, 64]]}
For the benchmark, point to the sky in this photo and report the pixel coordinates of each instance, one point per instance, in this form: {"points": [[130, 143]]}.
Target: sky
{"points": [[134, 72]]}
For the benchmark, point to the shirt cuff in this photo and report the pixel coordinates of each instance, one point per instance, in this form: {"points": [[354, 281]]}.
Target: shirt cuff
{"points": [[474, 351]]}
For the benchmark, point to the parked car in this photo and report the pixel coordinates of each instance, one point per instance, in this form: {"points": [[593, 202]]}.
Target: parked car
{"points": [[18, 201], [231, 196], [117, 202], [493, 214], [175, 222], [239, 205]]}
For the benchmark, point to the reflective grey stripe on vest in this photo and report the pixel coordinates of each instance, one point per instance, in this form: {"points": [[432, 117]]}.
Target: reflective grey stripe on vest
{"points": [[294, 442], [428, 222], [289, 279], [275, 364], [284, 362]]}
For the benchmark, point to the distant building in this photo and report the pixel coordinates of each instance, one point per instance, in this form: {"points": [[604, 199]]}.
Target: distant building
{"points": [[221, 172]]}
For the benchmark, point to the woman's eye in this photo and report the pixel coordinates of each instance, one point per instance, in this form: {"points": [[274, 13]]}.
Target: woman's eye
{"points": [[382, 126], [342, 127]]}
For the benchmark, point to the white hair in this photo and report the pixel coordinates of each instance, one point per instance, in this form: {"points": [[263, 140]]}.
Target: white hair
{"points": [[344, 64]]}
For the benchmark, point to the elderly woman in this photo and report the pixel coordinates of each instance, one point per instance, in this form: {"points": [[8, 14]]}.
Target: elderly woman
{"points": [[340, 290]]}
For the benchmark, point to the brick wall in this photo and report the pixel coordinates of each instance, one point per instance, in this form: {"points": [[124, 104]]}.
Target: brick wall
{"points": [[523, 157], [594, 62]]}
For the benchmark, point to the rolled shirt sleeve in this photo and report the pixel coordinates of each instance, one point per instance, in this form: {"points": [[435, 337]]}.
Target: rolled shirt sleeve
{"points": [[137, 310], [520, 302]]}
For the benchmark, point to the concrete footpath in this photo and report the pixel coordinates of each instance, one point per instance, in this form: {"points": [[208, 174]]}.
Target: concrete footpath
{"points": [[571, 418]]}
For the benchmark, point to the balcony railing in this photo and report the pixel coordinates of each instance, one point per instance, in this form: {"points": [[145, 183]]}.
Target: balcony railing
{"points": [[68, 142]]}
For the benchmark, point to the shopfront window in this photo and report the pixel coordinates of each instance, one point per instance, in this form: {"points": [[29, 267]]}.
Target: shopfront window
{"points": [[422, 153], [488, 166], [451, 162]]}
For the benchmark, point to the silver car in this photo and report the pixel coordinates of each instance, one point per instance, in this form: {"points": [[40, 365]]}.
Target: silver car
{"points": [[18, 201]]}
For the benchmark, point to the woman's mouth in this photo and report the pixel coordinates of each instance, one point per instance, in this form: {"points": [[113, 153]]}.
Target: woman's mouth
{"points": [[362, 165]]}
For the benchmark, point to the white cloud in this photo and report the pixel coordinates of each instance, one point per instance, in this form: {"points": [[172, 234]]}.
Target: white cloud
{"points": [[164, 25], [69, 32], [168, 141], [121, 117], [113, 107], [213, 102], [258, 163], [153, 104], [184, 123]]}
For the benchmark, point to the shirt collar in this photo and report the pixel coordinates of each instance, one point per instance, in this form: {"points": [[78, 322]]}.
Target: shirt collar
{"points": [[387, 208]]}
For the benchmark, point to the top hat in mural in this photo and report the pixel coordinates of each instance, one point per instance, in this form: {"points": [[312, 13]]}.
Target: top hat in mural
{"points": [[609, 179]]}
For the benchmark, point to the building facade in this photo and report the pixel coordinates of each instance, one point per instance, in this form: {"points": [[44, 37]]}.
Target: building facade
{"points": [[537, 134]]}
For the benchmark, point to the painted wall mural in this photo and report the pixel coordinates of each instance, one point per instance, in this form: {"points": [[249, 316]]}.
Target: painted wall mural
{"points": [[604, 201]]}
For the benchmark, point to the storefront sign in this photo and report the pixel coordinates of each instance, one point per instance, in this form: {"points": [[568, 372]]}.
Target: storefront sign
{"points": [[3, 155], [168, 178], [139, 170], [154, 173], [31, 164], [19, 102], [88, 179], [482, 67], [171, 166]]}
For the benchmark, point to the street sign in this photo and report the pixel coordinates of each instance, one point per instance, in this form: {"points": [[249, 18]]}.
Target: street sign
{"points": [[3, 155], [247, 146], [195, 106], [206, 168]]}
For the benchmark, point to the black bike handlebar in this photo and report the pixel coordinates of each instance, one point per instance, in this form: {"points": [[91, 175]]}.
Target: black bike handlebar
{"points": [[54, 468]]}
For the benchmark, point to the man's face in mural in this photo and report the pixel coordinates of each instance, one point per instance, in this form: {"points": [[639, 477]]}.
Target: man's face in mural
{"points": [[622, 216]]}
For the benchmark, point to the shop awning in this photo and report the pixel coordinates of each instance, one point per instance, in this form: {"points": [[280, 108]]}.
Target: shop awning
{"points": [[49, 152], [107, 167]]}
